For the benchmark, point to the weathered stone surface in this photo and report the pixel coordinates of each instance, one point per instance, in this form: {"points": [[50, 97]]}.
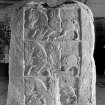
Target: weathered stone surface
{"points": [[15, 87], [51, 53]]}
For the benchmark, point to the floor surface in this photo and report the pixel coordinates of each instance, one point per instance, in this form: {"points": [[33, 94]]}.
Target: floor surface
{"points": [[100, 90]]}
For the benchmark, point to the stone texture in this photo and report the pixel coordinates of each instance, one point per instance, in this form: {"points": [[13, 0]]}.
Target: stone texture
{"points": [[51, 51]]}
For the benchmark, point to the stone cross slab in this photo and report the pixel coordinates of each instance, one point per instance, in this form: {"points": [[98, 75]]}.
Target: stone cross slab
{"points": [[51, 55]]}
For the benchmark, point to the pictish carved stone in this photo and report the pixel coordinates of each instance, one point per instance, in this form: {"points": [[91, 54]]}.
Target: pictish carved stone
{"points": [[51, 55]]}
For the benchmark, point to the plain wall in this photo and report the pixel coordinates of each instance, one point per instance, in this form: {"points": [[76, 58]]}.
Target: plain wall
{"points": [[97, 7]]}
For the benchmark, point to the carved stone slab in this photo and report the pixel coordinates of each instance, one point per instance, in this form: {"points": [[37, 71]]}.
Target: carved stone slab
{"points": [[51, 55]]}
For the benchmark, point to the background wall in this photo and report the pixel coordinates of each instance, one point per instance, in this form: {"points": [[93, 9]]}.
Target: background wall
{"points": [[97, 7]]}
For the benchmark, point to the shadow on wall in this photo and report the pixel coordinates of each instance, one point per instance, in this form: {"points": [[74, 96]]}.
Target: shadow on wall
{"points": [[4, 68], [99, 52]]}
